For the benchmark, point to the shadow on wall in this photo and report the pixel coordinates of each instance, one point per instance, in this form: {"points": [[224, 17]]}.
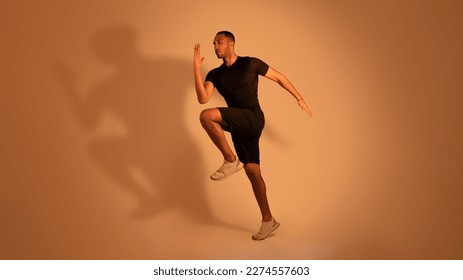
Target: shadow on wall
{"points": [[157, 161]]}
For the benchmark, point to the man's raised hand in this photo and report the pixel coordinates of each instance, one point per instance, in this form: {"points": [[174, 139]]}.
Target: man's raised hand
{"points": [[197, 59]]}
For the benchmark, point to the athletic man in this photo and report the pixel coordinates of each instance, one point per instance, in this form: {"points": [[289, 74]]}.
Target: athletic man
{"points": [[236, 80]]}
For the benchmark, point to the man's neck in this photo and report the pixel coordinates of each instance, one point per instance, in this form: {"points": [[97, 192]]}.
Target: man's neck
{"points": [[229, 60]]}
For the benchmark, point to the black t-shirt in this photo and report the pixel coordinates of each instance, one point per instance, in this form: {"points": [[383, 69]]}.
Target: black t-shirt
{"points": [[238, 83]]}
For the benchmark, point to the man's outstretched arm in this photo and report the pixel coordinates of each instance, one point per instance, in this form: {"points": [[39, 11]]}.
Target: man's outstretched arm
{"points": [[278, 77], [204, 90]]}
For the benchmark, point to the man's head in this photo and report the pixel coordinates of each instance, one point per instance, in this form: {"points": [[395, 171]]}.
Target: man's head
{"points": [[224, 44]]}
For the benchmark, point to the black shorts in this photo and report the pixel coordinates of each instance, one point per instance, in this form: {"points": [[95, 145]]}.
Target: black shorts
{"points": [[245, 126]]}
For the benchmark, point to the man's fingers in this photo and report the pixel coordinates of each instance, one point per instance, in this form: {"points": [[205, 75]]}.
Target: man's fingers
{"points": [[306, 109]]}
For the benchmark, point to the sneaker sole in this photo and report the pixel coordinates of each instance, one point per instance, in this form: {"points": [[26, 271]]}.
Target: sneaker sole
{"points": [[240, 166]]}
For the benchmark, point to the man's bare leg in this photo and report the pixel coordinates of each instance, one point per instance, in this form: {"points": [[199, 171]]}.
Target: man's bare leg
{"points": [[269, 224], [211, 120], [260, 191]]}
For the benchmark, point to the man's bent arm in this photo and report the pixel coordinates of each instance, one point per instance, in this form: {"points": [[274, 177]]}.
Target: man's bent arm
{"points": [[278, 77], [203, 90]]}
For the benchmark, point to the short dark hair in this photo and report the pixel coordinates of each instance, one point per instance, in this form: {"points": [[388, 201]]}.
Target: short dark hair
{"points": [[227, 34]]}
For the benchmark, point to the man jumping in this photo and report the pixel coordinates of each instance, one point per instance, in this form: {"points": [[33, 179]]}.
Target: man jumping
{"points": [[237, 81]]}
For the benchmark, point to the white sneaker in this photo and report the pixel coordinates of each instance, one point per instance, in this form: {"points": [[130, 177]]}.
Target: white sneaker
{"points": [[227, 169], [265, 229]]}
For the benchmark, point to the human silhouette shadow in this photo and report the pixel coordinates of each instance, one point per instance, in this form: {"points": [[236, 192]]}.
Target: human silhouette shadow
{"points": [[148, 96]]}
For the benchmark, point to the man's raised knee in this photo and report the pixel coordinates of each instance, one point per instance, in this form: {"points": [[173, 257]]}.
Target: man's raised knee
{"points": [[205, 116], [209, 115]]}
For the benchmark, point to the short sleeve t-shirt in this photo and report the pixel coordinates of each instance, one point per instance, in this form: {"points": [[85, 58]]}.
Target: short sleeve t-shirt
{"points": [[238, 83]]}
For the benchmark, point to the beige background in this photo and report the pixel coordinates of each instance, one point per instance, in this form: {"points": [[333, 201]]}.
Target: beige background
{"points": [[102, 155]]}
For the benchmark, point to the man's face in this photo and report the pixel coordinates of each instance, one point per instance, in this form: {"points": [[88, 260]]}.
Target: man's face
{"points": [[222, 46]]}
